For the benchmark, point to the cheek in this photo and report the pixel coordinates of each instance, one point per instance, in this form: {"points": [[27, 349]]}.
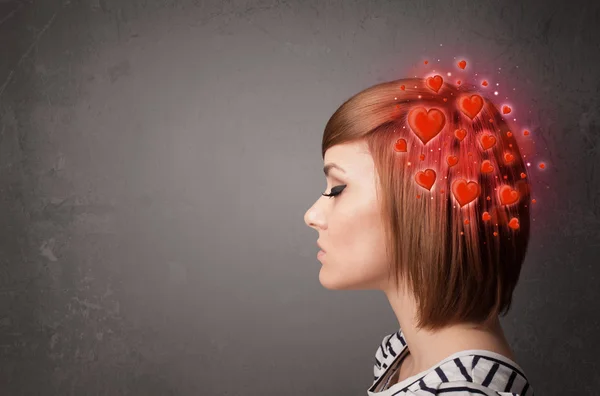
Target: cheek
{"points": [[359, 241]]}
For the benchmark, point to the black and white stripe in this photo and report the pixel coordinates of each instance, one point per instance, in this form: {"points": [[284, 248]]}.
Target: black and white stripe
{"points": [[473, 372]]}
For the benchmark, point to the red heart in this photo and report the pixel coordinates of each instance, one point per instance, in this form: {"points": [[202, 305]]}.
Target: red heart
{"points": [[514, 223], [509, 133], [425, 179], [486, 216], [487, 141], [462, 64], [400, 145], [486, 167], [452, 160], [484, 83], [465, 192], [402, 87], [507, 195], [508, 158], [470, 106], [426, 124], [525, 132], [435, 82], [460, 134], [506, 109]]}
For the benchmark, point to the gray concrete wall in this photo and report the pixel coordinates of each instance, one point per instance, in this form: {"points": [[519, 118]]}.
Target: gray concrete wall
{"points": [[157, 158]]}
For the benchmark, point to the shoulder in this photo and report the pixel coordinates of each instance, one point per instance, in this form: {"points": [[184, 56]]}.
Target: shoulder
{"points": [[458, 388]]}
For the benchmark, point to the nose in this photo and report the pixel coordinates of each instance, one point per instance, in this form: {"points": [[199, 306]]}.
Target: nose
{"points": [[312, 218]]}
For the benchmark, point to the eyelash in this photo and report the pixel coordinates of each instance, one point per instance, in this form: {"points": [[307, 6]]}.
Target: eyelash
{"points": [[337, 190]]}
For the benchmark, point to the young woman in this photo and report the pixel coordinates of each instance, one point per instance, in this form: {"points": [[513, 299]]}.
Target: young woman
{"points": [[429, 203]]}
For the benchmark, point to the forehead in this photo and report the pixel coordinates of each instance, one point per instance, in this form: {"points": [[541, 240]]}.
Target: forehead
{"points": [[349, 156]]}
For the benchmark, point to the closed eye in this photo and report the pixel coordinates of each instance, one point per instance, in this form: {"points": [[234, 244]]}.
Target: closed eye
{"points": [[337, 190]]}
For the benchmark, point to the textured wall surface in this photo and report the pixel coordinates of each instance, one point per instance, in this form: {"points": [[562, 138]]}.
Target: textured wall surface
{"points": [[157, 158]]}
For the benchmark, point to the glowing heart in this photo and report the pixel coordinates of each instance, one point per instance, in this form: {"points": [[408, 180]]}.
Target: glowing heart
{"points": [[465, 192], [426, 124], [402, 87], [435, 82], [508, 158], [509, 134], [484, 83], [470, 105], [506, 109], [507, 195], [460, 134], [462, 64], [486, 216], [487, 141], [525, 132], [400, 145], [452, 160], [514, 223], [425, 179], [486, 167]]}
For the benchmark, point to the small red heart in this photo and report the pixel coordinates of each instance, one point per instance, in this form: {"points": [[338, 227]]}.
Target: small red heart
{"points": [[465, 192], [452, 160], [514, 223], [426, 62], [400, 145], [470, 106], [425, 179], [509, 133], [507, 195], [402, 87], [462, 64], [506, 109], [460, 134], [487, 141], [422, 157], [486, 216], [458, 82], [486, 167], [484, 83], [523, 175], [426, 124], [435, 82], [542, 165], [508, 158], [525, 132]]}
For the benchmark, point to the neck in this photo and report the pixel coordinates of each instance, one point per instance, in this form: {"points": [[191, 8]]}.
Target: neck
{"points": [[427, 348]]}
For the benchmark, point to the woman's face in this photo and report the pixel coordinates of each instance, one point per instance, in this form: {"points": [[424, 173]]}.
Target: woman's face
{"points": [[350, 228]]}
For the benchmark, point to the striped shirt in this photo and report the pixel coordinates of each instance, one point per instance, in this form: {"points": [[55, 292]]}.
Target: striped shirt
{"points": [[469, 372]]}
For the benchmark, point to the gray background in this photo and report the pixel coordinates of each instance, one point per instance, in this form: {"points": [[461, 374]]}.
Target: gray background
{"points": [[157, 159]]}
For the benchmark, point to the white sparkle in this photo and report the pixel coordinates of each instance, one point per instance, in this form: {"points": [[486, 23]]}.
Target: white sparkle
{"points": [[495, 92], [529, 164]]}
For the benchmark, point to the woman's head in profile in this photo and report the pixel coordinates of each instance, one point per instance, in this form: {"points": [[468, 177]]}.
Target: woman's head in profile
{"points": [[428, 194]]}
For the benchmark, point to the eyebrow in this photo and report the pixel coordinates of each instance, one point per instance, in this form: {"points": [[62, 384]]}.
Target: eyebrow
{"points": [[330, 165]]}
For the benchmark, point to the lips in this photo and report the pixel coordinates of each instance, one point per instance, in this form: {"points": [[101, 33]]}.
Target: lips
{"points": [[320, 247]]}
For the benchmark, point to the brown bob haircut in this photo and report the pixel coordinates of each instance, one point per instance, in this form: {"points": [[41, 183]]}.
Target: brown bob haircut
{"points": [[458, 271]]}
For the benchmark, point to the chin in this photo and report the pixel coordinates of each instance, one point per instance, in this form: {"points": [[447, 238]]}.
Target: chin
{"points": [[334, 281]]}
